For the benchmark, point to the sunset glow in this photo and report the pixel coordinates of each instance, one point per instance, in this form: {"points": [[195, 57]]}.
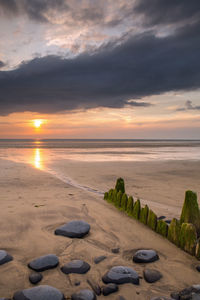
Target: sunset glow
{"points": [[111, 74], [37, 123]]}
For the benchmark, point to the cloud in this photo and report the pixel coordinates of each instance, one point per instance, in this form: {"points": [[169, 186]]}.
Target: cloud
{"points": [[188, 106], [129, 68], [34, 9], [8, 7], [167, 12]]}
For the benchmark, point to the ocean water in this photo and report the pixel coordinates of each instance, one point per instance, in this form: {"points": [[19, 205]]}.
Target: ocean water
{"points": [[47, 154], [98, 150]]}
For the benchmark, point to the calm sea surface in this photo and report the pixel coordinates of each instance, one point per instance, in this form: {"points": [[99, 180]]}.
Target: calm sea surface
{"points": [[99, 150], [47, 155]]}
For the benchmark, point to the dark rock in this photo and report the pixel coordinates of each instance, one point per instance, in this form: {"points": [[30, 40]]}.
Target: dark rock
{"points": [[195, 296], [44, 292], [43, 263], [34, 278], [99, 259], [84, 295], [189, 293], [145, 256], [76, 266], [175, 296], [96, 288], [76, 283], [161, 298], [120, 298], [161, 218], [109, 289], [115, 250], [120, 275], [4, 299], [196, 288], [185, 293], [74, 229], [198, 268], [5, 257], [168, 221], [151, 275]]}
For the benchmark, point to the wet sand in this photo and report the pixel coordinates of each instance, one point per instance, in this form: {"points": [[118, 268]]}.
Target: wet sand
{"points": [[35, 203]]}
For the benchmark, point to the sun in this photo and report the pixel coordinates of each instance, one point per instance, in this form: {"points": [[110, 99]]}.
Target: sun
{"points": [[37, 123]]}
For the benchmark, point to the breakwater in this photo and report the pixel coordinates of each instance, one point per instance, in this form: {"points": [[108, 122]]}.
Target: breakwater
{"points": [[183, 232]]}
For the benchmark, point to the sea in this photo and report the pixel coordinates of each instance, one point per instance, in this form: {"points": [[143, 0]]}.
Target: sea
{"points": [[44, 154], [100, 149]]}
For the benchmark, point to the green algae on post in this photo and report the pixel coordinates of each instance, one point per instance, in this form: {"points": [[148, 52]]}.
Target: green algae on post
{"points": [[118, 199], [152, 220], [114, 197], [174, 232], [124, 201], [144, 214], [188, 238], [110, 195], [106, 196], [120, 186], [162, 228], [136, 209], [130, 204], [190, 211], [197, 250]]}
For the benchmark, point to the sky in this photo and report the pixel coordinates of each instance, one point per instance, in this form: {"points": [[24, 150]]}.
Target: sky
{"points": [[100, 69]]}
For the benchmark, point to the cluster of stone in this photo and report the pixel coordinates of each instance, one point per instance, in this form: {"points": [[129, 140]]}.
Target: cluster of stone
{"points": [[184, 233], [190, 293]]}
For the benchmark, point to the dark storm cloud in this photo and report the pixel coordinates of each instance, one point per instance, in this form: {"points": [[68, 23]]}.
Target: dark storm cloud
{"points": [[8, 6], [168, 11], [37, 8], [140, 66], [189, 106]]}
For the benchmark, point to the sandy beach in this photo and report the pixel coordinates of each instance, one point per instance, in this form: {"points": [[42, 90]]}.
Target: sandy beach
{"points": [[34, 203]]}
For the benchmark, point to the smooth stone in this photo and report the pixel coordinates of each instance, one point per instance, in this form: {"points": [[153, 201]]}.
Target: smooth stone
{"points": [[96, 288], [34, 278], [189, 293], [4, 299], [84, 295], [74, 229], [198, 268], [195, 296], [76, 266], [161, 218], [161, 298], [99, 259], [43, 263], [109, 289], [5, 257], [44, 292], [196, 288], [168, 221], [120, 275], [145, 256], [115, 250], [151, 275], [175, 296]]}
